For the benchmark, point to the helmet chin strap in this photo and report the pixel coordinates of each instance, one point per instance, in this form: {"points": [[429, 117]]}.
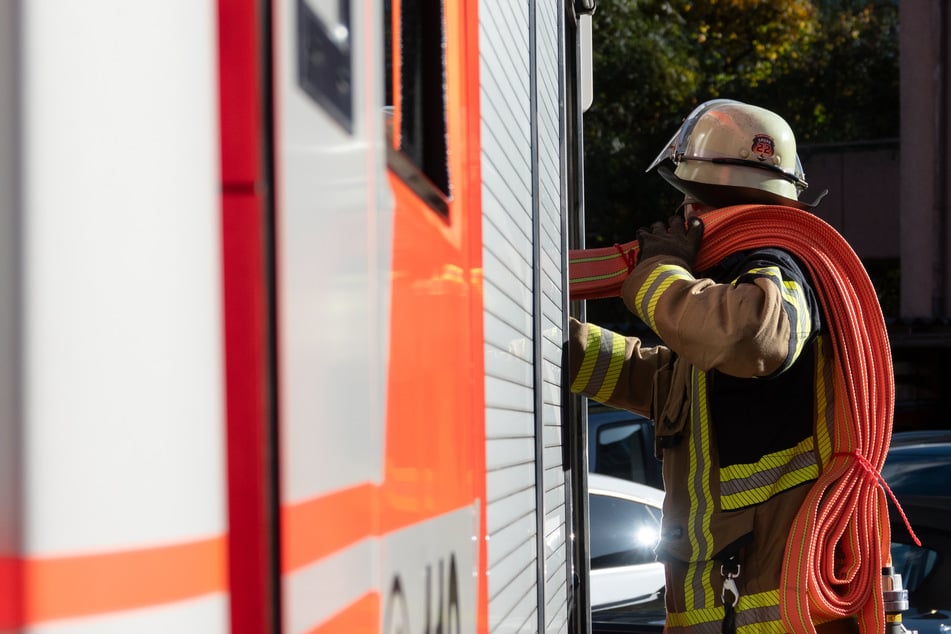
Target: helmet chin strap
{"points": [[691, 207]]}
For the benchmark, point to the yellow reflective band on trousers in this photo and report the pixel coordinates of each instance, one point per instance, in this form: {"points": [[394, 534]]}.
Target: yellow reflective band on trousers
{"points": [[657, 282], [601, 366], [744, 485], [755, 614], [697, 591], [739, 486]]}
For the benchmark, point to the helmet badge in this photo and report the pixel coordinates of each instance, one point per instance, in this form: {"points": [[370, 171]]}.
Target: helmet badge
{"points": [[763, 147]]}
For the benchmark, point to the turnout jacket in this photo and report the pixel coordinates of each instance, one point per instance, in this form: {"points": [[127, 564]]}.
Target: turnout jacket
{"points": [[741, 396]]}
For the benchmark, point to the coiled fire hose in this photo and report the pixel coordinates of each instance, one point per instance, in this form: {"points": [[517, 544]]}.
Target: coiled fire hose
{"points": [[838, 544]]}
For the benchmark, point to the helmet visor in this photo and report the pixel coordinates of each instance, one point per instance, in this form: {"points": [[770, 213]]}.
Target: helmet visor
{"points": [[677, 146]]}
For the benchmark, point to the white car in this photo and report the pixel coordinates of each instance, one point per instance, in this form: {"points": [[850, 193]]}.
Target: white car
{"points": [[624, 527]]}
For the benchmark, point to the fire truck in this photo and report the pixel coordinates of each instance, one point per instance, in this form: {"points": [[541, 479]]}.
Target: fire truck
{"points": [[284, 297]]}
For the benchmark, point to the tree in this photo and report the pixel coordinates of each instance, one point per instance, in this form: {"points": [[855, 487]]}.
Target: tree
{"points": [[829, 67]]}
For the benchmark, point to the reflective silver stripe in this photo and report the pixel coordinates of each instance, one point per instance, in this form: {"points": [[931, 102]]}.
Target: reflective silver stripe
{"points": [[762, 481], [761, 620], [709, 627], [755, 614], [601, 364]]}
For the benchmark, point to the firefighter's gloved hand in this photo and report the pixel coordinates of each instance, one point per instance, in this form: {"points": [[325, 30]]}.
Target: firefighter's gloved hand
{"points": [[675, 238]]}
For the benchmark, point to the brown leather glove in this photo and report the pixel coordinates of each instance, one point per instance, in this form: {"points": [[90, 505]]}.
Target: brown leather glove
{"points": [[674, 238]]}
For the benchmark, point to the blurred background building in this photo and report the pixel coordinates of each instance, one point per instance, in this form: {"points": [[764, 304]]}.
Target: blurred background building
{"points": [[890, 199]]}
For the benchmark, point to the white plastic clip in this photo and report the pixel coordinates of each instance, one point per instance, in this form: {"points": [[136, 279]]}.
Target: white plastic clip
{"points": [[730, 585]]}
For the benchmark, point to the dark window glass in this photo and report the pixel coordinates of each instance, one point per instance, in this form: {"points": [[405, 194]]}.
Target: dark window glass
{"points": [[620, 452], [422, 72], [324, 61], [421, 160]]}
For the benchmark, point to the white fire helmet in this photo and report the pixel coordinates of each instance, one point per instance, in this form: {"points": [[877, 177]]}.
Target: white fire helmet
{"points": [[728, 153]]}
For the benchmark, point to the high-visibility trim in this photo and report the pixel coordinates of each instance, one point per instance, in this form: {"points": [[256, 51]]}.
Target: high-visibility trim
{"points": [[657, 282], [788, 480], [84, 585], [759, 614], [593, 343], [744, 485], [796, 306], [755, 614], [601, 365], [695, 619], [613, 371], [845, 511], [759, 600], [698, 592]]}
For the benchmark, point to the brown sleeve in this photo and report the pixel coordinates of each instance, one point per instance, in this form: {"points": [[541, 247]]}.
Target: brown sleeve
{"points": [[613, 369], [740, 330]]}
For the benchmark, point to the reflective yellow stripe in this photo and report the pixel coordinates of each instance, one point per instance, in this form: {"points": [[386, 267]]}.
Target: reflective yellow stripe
{"points": [[655, 297], [698, 591], [796, 297], [759, 495], [769, 461], [791, 291], [601, 365], [695, 617], [755, 613], [589, 360], [747, 484], [668, 274], [642, 291], [704, 416], [614, 369], [792, 294]]}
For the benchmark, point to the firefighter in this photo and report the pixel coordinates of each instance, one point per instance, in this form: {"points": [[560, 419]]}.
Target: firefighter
{"points": [[740, 390]]}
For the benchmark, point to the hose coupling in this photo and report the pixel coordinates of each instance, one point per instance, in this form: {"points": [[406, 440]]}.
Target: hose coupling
{"points": [[896, 602]]}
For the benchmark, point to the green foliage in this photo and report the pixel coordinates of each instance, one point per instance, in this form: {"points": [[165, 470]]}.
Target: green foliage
{"points": [[830, 67]]}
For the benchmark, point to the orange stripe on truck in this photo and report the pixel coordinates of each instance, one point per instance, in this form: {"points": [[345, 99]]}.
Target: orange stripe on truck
{"points": [[312, 529], [83, 585], [360, 617]]}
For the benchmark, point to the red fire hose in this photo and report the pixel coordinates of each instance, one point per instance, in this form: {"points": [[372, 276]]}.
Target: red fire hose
{"points": [[839, 540]]}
